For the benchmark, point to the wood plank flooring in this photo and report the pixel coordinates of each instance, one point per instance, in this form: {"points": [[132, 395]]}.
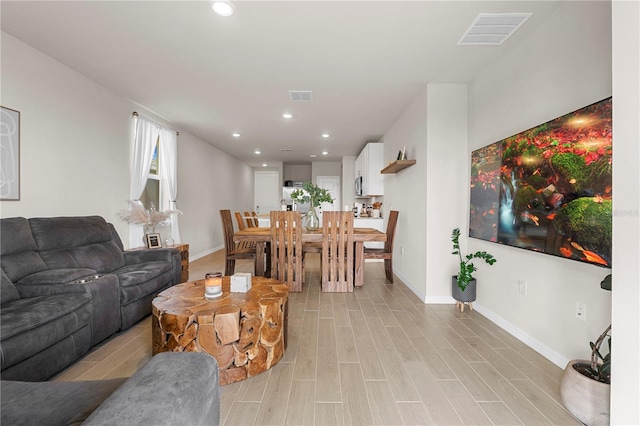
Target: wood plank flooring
{"points": [[378, 356]]}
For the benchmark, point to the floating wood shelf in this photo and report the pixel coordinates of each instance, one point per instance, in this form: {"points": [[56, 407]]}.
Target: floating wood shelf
{"points": [[397, 165]]}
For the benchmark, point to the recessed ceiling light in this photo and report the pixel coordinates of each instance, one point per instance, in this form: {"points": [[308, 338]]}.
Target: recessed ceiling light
{"points": [[264, 164], [222, 8], [257, 152], [287, 115], [235, 135], [325, 152], [326, 135], [312, 155]]}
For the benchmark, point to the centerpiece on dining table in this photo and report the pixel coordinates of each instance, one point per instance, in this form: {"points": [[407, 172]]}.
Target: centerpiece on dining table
{"points": [[315, 196]]}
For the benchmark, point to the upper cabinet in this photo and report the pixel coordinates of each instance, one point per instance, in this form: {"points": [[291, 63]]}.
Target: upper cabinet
{"points": [[368, 165]]}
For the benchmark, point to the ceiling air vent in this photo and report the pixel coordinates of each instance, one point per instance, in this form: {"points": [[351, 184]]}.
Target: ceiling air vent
{"points": [[301, 95], [493, 28]]}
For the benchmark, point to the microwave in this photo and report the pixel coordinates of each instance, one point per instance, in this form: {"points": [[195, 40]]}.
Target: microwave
{"points": [[359, 187]]}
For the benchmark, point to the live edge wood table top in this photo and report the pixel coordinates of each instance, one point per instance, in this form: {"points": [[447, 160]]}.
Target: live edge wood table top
{"points": [[245, 332], [262, 235]]}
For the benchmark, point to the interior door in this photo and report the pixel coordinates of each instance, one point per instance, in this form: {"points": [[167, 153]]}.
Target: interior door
{"points": [[267, 191], [332, 184]]}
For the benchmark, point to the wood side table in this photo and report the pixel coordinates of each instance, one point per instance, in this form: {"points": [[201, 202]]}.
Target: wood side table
{"points": [[245, 332], [184, 260]]}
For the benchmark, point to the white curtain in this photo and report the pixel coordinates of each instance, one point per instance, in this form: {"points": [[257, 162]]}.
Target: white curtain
{"points": [[146, 135], [168, 172]]}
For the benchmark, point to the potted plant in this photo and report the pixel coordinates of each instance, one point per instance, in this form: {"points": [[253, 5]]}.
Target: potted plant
{"points": [[585, 387], [314, 195], [463, 285]]}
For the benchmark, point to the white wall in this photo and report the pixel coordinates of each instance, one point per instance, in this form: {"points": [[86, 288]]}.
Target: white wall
{"points": [[544, 78], [405, 191], [427, 195], [74, 138], [75, 147], [625, 381], [324, 168], [447, 171]]}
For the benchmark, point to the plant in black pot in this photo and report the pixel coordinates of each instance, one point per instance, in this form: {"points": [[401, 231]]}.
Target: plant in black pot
{"points": [[463, 285], [585, 387]]}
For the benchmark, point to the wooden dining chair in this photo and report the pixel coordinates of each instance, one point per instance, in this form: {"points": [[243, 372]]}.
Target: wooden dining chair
{"points": [[385, 253], [337, 251], [256, 222], [286, 248], [249, 219], [240, 221], [233, 250]]}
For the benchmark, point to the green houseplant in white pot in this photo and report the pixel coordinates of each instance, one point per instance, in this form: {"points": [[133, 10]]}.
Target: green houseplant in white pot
{"points": [[585, 388], [463, 285]]}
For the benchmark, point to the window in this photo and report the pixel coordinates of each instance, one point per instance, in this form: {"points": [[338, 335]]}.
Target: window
{"points": [[151, 193]]}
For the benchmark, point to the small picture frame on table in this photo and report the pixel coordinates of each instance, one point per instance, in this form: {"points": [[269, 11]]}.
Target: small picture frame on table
{"points": [[153, 241]]}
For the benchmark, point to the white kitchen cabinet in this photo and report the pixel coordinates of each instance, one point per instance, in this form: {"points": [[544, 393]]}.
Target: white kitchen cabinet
{"points": [[368, 165]]}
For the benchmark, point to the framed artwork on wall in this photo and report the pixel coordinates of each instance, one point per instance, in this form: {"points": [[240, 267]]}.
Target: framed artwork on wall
{"points": [[10, 154], [549, 188]]}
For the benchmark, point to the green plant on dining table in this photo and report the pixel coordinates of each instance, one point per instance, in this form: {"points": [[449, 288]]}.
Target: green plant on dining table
{"points": [[312, 194]]}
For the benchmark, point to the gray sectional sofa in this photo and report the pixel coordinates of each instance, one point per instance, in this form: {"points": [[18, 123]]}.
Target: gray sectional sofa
{"points": [[67, 284], [173, 388]]}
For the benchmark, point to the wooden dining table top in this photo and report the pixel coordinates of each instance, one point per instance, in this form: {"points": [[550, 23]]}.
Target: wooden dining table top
{"points": [[263, 234]]}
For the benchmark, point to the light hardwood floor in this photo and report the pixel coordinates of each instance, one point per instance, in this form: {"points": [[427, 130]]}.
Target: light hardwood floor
{"points": [[378, 356]]}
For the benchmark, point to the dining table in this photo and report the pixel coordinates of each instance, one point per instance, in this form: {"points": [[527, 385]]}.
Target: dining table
{"points": [[262, 235]]}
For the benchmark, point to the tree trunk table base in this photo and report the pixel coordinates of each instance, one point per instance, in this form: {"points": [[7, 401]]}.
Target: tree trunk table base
{"points": [[245, 332]]}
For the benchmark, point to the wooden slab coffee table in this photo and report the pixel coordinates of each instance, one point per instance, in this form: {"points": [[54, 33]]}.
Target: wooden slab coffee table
{"points": [[245, 332]]}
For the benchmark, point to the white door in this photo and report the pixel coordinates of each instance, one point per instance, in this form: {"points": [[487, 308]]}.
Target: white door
{"points": [[267, 191], [332, 184]]}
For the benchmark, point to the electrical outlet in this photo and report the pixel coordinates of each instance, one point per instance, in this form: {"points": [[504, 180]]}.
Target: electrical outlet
{"points": [[581, 311], [522, 287]]}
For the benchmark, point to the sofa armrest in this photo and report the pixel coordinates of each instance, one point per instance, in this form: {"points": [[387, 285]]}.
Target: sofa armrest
{"points": [[35, 290], [173, 388], [132, 257]]}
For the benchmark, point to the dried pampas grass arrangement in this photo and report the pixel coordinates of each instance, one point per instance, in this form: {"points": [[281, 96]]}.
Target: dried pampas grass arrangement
{"points": [[149, 218]]}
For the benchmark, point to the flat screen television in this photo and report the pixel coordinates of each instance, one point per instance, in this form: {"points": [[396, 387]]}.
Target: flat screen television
{"points": [[548, 189]]}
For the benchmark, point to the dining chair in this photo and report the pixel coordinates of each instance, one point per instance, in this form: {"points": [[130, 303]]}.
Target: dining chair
{"points": [[240, 221], [385, 253], [337, 251], [256, 222], [233, 250], [286, 248], [249, 220]]}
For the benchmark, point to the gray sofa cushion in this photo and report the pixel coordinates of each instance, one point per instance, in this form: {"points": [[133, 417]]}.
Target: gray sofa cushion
{"points": [[173, 388], [77, 242], [55, 276], [53, 403], [18, 249], [9, 292], [140, 280], [32, 324]]}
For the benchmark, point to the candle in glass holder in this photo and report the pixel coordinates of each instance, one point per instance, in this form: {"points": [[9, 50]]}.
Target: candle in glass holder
{"points": [[212, 285]]}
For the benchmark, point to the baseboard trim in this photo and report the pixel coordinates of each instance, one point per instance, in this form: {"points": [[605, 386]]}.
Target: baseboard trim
{"points": [[525, 338], [406, 282], [516, 332], [204, 253]]}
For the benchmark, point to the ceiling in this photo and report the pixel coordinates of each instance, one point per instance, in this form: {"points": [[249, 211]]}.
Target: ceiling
{"points": [[364, 61]]}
